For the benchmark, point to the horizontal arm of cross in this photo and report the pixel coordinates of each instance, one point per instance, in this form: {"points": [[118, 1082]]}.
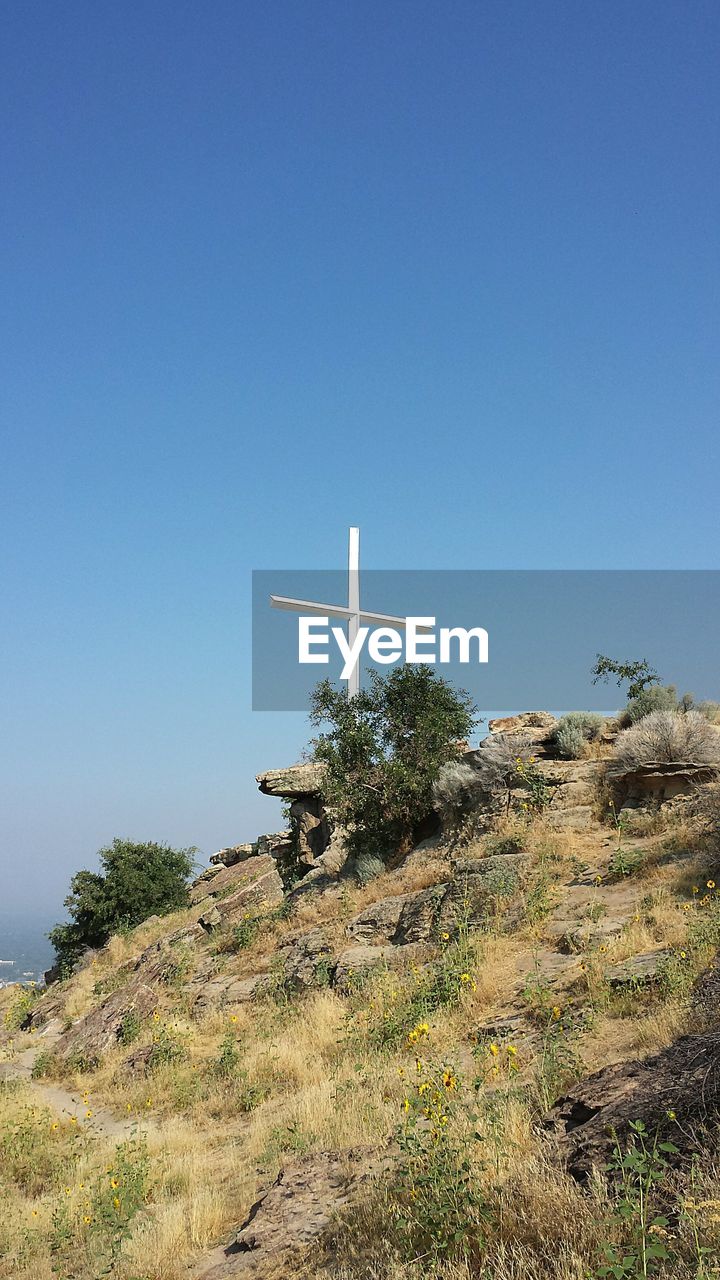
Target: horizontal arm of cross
{"points": [[339, 611]]}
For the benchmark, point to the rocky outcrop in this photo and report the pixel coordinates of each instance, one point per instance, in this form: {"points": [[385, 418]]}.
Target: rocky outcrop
{"points": [[297, 1209], [307, 960], [638, 970], [222, 881], [353, 962], [676, 1093], [658, 781], [533, 726], [92, 1036], [477, 884], [251, 885], [315, 841], [296, 782], [406, 917]]}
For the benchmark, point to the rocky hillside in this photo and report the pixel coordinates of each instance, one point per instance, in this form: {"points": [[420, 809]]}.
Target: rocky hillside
{"points": [[440, 1069]]}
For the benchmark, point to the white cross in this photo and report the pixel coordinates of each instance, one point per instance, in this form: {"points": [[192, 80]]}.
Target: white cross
{"points": [[353, 614]]}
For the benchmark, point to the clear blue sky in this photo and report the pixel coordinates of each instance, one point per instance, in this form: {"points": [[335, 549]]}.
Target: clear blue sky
{"points": [[448, 271]]}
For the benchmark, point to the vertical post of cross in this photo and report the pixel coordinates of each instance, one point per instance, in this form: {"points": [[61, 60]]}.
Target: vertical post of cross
{"points": [[354, 603]]}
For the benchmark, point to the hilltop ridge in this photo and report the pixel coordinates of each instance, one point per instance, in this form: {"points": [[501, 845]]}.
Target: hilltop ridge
{"points": [[319, 1066]]}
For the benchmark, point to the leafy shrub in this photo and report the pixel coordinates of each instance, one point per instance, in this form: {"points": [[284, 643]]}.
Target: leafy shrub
{"points": [[44, 1065], [130, 1027], [383, 750], [658, 697], [455, 793], [574, 730], [367, 867], [665, 737], [21, 1006], [136, 881], [515, 842]]}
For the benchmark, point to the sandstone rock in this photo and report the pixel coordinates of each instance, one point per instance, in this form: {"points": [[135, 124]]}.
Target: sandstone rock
{"points": [[502, 1028], [676, 1093], [295, 781], [236, 853], [223, 990], [258, 886], [355, 961], [224, 880], [535, 728], [637, 970], [307, 960], [526, 722], [100, 1029], [658, 781], [586, 935], [297, 1209], [577, 818], [404, 918]]}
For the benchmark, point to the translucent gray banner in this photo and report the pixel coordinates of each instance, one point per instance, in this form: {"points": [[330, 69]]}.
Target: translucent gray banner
{"points": [[544, 629]]}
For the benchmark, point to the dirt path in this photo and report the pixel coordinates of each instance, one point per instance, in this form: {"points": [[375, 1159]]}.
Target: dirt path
{"points": [[59, 1100]]}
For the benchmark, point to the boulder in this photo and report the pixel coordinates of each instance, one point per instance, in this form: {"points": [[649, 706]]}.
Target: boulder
{"points": [[533, 727], [638, 970], [294, 782], [675, 1093], [257, 885], [90, 1038], [354, 961], [307, 960], [221, 990], [297, 1209], [222, 881], [236, 853], [404, 918]]}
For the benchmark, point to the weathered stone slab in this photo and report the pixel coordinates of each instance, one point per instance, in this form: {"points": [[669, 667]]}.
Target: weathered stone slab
{"points": [[293, 782]]}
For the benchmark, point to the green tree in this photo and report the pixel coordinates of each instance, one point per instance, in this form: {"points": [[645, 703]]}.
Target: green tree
{"points": [[383, 750], [135, 881], [638, 674]]}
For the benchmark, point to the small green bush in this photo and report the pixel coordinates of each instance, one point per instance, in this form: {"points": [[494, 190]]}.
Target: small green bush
{"points": [[658, 697], [130, 1027], [574, 730], [367, 867], [19, 1010], [498, 845], [455, 792]]}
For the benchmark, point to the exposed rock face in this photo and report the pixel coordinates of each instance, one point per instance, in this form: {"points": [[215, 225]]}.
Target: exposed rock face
{"points": [[236, 853], [537, 726], [357, 960], [475, 887], [315, 840], [100, 1029], [676, 1093], [307, 960], [297, 1209], [249, 885], [638, 970], [407, 917], [295, 782], [222, 881], [659, 781]]}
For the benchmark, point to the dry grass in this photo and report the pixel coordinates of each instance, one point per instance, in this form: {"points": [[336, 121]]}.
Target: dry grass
{"points": [[308, 1076]]}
